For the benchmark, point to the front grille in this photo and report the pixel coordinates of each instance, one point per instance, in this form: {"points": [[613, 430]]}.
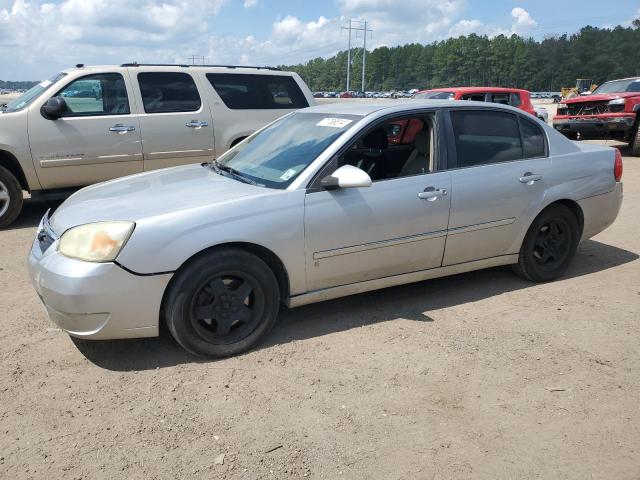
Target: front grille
{"points": [[587, 108]]}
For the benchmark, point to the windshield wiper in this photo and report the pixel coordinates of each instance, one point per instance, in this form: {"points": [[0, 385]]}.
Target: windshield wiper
{"points": [[218, 167]]}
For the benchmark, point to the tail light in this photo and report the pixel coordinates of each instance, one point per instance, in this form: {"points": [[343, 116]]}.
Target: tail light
{"points": [[617, 166]]}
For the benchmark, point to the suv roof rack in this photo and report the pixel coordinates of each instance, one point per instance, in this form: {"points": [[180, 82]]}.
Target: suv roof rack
{"points": [[135, 64]]}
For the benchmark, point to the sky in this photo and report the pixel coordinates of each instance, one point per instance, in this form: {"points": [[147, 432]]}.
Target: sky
{"points": [[40, 37]]}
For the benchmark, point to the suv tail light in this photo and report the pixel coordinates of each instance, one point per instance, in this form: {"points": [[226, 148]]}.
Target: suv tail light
{"points": [[617, 166]]}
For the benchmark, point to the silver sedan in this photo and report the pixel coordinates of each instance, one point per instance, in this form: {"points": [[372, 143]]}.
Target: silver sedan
{"points": [[325, 202]]}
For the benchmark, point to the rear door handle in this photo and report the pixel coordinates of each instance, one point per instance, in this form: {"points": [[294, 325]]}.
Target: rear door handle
{"points": [[196, 124], [431, 194], [529, 178], [120, 128]]}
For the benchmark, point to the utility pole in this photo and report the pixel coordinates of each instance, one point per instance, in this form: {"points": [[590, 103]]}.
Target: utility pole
{"points": [[194, 57], [362, 27]]}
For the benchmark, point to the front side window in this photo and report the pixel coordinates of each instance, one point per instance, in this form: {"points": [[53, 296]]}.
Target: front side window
{"points": [[256, 92], [483, 137], [30, 95], [385, 153], [275, 156], [168, 92], [532, 139], [94, 95]]}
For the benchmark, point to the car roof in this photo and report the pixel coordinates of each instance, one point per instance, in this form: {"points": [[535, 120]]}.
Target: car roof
{"points": [[475, 89], [364, 108], [181, 68]]}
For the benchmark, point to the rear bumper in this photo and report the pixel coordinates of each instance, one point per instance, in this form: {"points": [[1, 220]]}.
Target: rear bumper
{"points": [[96, 300], [600, 211], [596, 126]]}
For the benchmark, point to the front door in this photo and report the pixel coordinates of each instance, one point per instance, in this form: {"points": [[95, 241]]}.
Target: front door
{"points": [[175, 119], [398, 225], [498, 183], [97, 138]]}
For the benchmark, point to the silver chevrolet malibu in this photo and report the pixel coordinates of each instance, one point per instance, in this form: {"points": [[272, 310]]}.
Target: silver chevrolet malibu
{"points": [[325, 202]]}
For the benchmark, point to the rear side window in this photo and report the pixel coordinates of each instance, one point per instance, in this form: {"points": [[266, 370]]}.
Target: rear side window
{"points": [[257, 92], [483, 137], [532, 139], [515, 100], [475, 97], [502, 98], [165, 92]]}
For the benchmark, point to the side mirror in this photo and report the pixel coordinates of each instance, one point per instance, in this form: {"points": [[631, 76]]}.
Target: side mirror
{"points": [[346, 176], [53, 108]]}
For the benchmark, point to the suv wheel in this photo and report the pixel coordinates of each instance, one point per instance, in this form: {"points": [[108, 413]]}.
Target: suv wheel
{"points": [[549, 245], [222, 303], [634, 144], [10, 197]]}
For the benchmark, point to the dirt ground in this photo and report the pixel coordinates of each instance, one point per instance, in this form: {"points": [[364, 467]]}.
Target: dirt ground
{"points": [[480, 375]]}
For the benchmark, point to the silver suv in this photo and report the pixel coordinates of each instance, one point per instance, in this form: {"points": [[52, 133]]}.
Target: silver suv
{"points": [[90, 124]]}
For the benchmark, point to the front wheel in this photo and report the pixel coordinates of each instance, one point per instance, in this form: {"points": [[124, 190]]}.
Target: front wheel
{"points": [[549, 246], [634, 144], [10, 197], [222, 303]]}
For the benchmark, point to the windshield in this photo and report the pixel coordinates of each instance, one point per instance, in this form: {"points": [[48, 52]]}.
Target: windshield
{"points": [[619, 86], [434, 95], [278, 154], [30, 95]]}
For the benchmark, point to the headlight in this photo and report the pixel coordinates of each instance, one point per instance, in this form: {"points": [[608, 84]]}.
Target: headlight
{"points": [[617, 101], [95, 242]]}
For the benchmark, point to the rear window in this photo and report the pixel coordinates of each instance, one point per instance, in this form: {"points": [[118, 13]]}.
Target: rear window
{"points": [[257, 92], [165, 92], [483, 137]]}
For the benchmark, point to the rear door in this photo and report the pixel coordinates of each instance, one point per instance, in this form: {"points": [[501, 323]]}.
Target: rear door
{"points": [[499, 176], [96, 139], [175, 118]]}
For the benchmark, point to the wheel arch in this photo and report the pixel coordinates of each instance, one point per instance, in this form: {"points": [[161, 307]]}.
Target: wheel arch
{"points": [[269, 257], [11, 163], [237, 140]]}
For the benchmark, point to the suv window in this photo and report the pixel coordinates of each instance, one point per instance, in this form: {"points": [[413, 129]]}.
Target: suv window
{"points": [[483, 137], [166, 92], [241, 91], [515, 100], [476, 97], [532, 139], [502, 98], [93, 95]]}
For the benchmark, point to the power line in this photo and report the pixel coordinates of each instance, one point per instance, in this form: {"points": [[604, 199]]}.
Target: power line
{"points": [[361, 27]]}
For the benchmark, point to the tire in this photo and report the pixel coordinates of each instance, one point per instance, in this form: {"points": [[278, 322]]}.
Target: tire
{"points": [[10, 198], [634, 144], [222, 303], [549, 246]]}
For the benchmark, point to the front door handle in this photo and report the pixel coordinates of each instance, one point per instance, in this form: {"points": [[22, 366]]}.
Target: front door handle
{"points": [[120, 128], [196, 124], [529, 178], [431, 194]]}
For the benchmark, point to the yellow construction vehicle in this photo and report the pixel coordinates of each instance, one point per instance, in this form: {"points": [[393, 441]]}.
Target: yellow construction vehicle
{"points": [[584, 86]]}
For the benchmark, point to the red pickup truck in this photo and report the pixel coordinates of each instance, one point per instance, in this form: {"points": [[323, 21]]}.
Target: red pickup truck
{"points": [[611, 111]]}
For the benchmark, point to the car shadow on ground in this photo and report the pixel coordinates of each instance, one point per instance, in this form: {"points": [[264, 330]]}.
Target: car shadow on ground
{"points": [[412, 302]]}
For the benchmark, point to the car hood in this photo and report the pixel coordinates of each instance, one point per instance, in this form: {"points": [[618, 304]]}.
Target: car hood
{"points": [[601, 97], [150, 194]]}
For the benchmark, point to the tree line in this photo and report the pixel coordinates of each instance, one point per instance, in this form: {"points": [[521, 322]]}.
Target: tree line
{"points": [[16, 85], [509, 61]]}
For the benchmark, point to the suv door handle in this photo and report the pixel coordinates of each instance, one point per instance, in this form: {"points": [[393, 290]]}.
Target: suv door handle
{"points": [[120, 128], [529, 178], [196, 124], [431, 194]]}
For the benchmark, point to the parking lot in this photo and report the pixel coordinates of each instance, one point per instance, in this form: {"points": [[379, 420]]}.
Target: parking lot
{"points": [[480, 375]]}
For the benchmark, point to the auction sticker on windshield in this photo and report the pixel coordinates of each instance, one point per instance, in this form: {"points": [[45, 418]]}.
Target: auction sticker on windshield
{"points": [[334, 122]]}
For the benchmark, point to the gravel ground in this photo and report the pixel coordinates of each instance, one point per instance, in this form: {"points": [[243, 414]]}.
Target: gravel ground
{"points": [[480, 375]]}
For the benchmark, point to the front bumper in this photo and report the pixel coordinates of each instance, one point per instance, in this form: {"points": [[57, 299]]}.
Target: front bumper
{"points": [[596, 126], [95, 300]]}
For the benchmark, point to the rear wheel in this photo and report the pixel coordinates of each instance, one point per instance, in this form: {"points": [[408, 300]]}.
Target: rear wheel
{"points": [[635, 141], [549, 246], [10, 197], [222, 303]]}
